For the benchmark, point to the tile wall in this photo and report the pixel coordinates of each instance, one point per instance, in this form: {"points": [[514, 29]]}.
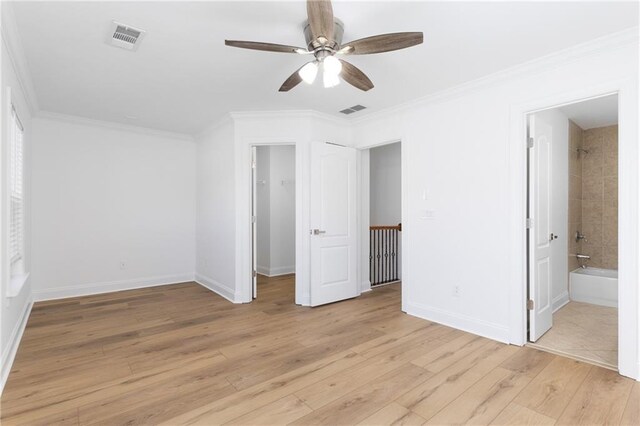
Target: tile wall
{"points": [[593, 195]]}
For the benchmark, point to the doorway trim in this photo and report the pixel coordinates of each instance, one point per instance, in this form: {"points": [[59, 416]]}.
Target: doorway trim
{"points": [[628, 179]]}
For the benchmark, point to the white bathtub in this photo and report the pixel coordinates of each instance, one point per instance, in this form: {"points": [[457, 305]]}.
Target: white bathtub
{"points": [[594, 285]]}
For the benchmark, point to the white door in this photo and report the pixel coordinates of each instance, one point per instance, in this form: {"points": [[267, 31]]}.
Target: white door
{"points": [[540, 232], [254, 222], [333, 223]]}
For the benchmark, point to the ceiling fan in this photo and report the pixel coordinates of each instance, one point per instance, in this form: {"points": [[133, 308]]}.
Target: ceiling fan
{"points": [[323, 34]]}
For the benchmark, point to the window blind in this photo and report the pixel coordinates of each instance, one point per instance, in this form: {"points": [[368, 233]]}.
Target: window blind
{"points": [[16, 178]]}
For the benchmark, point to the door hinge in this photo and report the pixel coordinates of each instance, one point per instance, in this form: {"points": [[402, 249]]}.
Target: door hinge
{"points": [[253, 219], [529, 223], [253, 164], [255, 273], [530, 143], [530, 304]]}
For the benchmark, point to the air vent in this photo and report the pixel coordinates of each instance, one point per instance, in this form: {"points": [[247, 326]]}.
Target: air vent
{"points": [[125, 36], [353, 109]]}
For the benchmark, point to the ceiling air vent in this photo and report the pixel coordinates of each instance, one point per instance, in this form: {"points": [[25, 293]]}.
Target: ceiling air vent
{"points": [[125, 36], [353, 109]]}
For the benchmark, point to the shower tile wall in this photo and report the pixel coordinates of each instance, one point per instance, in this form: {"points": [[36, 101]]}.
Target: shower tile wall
{"points": [[575, 193], [599, 203]]}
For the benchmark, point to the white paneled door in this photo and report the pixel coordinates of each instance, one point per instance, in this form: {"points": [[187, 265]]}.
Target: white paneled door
{"points": [[540, 233], [333, 222]]}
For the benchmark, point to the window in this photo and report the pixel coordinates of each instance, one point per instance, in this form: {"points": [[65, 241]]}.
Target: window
{"points": [[16, 182]]}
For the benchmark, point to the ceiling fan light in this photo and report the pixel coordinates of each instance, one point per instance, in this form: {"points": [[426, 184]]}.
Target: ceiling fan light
{"points": [[332, 65], [308, 72], [330, 80]]}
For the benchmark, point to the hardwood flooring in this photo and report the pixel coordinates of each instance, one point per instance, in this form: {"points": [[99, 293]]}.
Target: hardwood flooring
{"points": [[180, 354]]}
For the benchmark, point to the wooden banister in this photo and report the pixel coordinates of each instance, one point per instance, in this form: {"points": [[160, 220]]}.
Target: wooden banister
{"points": [[397, 227]]}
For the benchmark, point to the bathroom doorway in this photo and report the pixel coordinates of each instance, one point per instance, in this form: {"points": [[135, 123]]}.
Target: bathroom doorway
{"points": [[572, 237]]}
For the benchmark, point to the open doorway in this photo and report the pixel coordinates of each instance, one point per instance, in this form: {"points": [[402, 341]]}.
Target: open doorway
{"points": [[382, 217], [573, 230], [274, 224]]}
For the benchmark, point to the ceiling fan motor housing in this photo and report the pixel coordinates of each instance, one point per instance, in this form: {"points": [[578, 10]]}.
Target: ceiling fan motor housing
{"points": [[338, 31]]}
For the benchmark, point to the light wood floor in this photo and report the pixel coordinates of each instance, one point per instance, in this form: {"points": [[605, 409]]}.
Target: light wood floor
{"points": [[180, 354], [585, 332]]}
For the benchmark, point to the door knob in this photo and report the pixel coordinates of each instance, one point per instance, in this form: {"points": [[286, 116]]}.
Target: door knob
{"points": [[317, 232], [553, 237]]}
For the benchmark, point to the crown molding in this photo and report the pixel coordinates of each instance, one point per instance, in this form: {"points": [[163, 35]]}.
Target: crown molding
{"points": [[328, 117], [596, 46], [252, 115], [13, 44], [303, 113], [74, 119], [226, 118]]}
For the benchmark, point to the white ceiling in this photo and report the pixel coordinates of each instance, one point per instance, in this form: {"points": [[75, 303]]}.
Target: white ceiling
{"points": [[183, 78], [598, 112]]}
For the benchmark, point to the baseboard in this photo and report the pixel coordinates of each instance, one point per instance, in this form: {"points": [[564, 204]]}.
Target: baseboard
{"points": [[216, 287], [365, 286], [560, 301], [276, 272], [9, 355], [108, 287], [461, 322]]}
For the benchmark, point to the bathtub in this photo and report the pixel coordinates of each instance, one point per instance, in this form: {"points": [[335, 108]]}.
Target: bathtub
{"points": [[594, 285]]}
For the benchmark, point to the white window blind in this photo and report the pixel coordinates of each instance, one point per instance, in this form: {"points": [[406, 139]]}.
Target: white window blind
{"points": [[16, 178]]}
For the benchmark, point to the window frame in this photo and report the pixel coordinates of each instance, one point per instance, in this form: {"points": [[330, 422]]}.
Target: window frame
{"points": [[16, 200]]}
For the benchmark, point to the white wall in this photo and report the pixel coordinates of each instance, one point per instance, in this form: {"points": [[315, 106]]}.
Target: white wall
{"points": [[14, 305], [112, 209], [276, 209], [559, 218], [466, 147], [283, 211], [385, 185], [215, 211]]}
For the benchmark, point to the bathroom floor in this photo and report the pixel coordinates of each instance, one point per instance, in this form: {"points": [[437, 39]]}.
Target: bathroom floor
{"points": [[585, 332]]}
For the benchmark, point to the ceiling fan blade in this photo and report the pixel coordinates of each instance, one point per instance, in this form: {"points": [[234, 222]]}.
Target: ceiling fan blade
{"points": [[352, 75], [267, 47], [382, 43], [291, 82], [320, 14]]}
